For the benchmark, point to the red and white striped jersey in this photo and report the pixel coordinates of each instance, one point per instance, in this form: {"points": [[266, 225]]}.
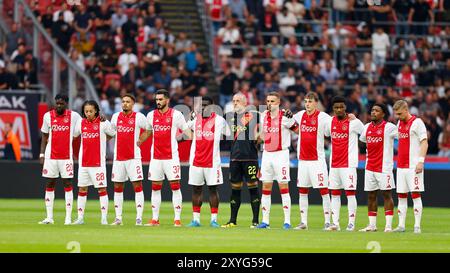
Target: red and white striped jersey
{"points": [[410, 134], [275, 131], [205, 148], [60, 131], [380, 146], [165, 127], [128, 129], [93, 141], [312, 131], [344, 142]]}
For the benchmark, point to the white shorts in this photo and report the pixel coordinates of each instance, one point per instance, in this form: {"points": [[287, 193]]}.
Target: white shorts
{"points": [[128, 169], [343, 178], [92, 176], [275, 166], [312, 174], [159, 168], [198, 176], [409, 181], [378, 181], [54, 167]]}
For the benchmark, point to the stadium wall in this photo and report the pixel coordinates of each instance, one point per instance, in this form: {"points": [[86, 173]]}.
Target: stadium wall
{"points": [[24, 181]]}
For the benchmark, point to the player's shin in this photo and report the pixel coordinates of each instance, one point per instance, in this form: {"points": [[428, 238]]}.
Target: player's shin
{"points": [[103, 196], [156, 200], [352, 206], [139, 201], [49, 200], [235, 203], [335, 206], [303, 205], [81, 204], [402, 208], [255, 203], [177, 199], [286, 201], [69, 203], [418, 207], [266, 201], [118, 202], [326, 203]]}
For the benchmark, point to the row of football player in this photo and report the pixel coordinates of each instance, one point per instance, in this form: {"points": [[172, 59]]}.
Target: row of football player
{"points": [[61, 125]]}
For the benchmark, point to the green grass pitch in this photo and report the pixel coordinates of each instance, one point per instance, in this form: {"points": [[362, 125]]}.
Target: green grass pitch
{"points": [[19, 231]]}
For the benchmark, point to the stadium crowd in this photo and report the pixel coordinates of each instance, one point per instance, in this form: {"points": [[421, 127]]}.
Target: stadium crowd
{"points": [[368, 54]]}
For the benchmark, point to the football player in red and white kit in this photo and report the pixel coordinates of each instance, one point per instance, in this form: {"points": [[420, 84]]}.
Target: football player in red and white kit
{"points": [[92, 158], [57, 155], [412, 149], [127, 162], [379, 136], [276, 134], [312, 167], [164, 123], [205, 163], [343, 161]]}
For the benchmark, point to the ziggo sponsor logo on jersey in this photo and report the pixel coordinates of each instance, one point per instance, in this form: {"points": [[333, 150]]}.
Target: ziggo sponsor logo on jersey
{"points": [[124, 129], [308, 129], [60, 128], [90, 135], [371, 139], [161, 128], [339, 135], [204, 134], [268, 129], [403, 135]]}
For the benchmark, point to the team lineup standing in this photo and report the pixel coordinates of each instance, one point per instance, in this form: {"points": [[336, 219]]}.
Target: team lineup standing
{"points": [[246, 130]]}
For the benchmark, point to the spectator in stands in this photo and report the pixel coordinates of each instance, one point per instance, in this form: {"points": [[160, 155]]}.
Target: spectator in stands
{"points": [[118, 18], [162, 77], [190, 87], [125, 59], [13, 38], [217, 10], [62, 32], [103, 20], [419, 14], [341, 9], [296, 8], [67, 14], [444, 141], [406, 81], [274, 49], [329, 73], [191, 58], [364, 37], [287, 22], [352, 76], [327, 56], [46, 19], [293, 51], [336, 37], [265, 87], [380, 14], [271, 7], [228, 83], [12, 144], [251, 35], [182, 44], [132, 79], [238, 8], [7, 79], [83, 22], [129, 30], [288, 80], [368, 69], [380, 46], [400, 13], [361, 12], [229, 36], [130, 4], [425, 67]]}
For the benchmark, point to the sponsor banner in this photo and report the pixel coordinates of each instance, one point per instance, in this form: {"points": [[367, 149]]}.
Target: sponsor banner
{"points": [[21, 110]]}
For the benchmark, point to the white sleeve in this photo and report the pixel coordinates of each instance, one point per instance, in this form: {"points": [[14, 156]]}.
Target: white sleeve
{"points": [[359, 127], [393, 130], [326, 121], [142, 121], [287, 122], [114, 122], [77, 130], [327, 128], [150, 121], [363, 135], [190, 124], [180, 121], [108, 128], [421, 130], [45, 128], [226, 129]]}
